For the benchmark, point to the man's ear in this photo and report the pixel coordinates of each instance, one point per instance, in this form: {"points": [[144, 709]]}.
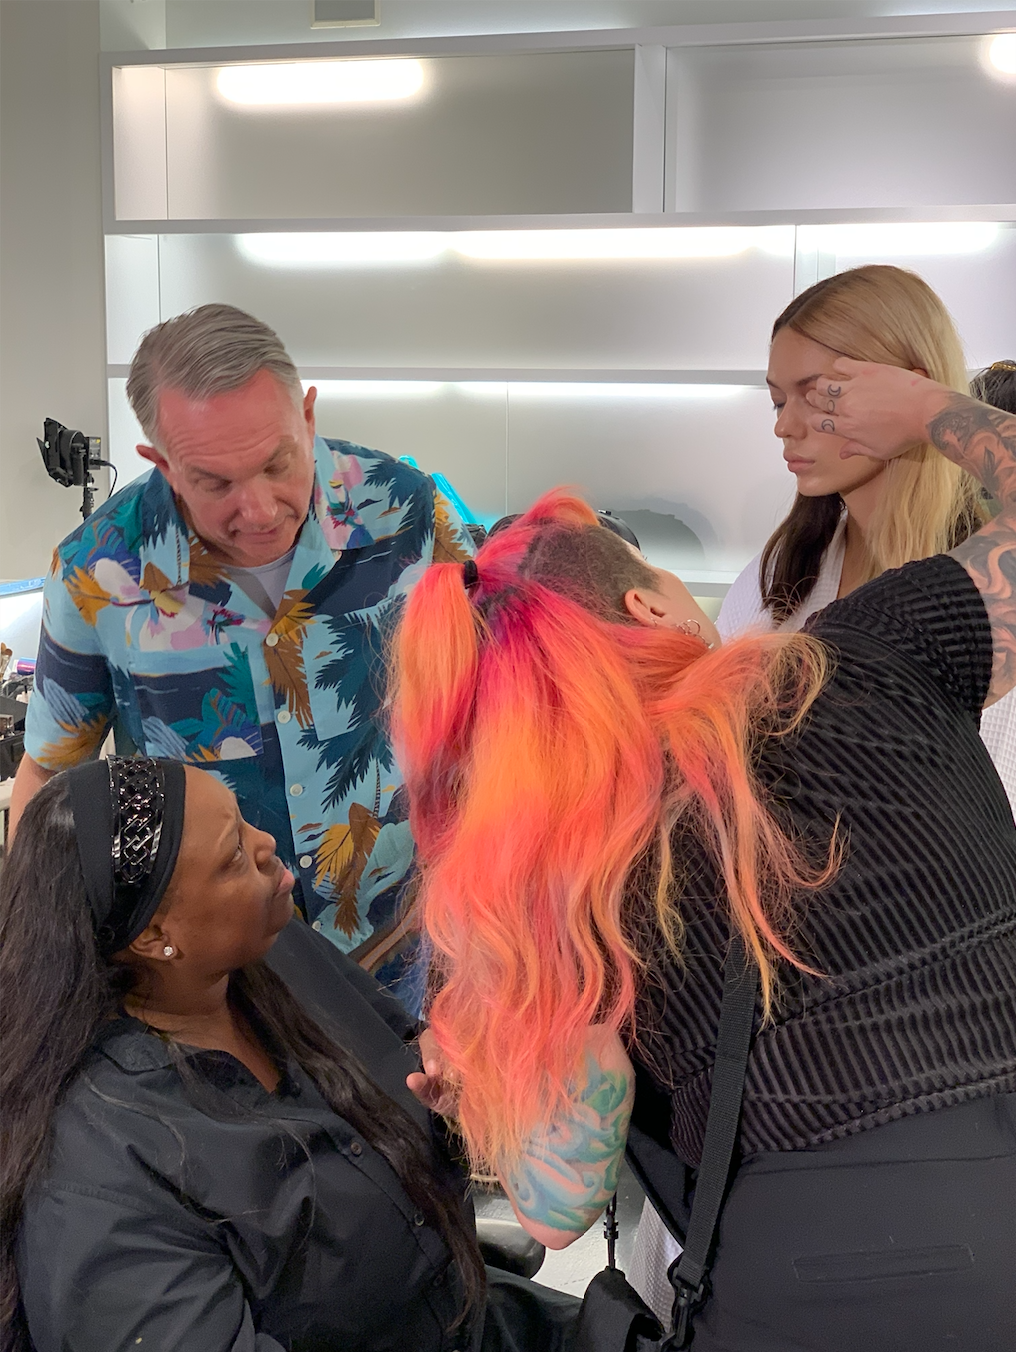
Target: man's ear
{"points": [[639, 605], [308, 409], [155, 457]]}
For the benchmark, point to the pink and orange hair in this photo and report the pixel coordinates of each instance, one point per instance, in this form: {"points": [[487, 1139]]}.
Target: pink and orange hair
{"points": [[548, 747]]}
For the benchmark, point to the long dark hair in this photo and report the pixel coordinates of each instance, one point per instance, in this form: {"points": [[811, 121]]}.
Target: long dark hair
{"points": [[58, 991], [882, 314]]}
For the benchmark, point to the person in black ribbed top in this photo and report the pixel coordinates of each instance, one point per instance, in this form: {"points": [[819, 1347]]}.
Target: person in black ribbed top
{"points": [[850, 825], [915, 936]]}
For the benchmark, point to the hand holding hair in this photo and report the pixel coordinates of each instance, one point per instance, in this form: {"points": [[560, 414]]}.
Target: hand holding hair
{"points": [[433, 1085], [881, 410]]}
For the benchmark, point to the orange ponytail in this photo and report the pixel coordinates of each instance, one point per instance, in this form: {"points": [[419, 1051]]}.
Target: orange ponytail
{"points": [[546, 749]]}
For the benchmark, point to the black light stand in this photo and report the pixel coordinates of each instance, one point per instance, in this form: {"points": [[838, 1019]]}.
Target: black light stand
{"points": [[70, 457]]}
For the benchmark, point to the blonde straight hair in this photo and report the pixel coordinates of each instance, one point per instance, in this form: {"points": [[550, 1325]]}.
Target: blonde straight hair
{"points": [[927, 505]]}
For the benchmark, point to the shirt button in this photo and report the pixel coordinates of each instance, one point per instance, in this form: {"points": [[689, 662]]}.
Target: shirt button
{"points": [[356, 1147], [305, 861], [419, 1219], [284, 715], [296, 790], [271, 640], [316, 925]]}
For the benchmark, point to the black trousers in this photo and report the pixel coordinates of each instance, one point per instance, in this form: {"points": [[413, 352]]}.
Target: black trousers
{"points": [[899, 1239]]}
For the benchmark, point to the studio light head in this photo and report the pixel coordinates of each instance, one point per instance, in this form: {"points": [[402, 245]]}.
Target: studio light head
{"points": [[70, 457]]}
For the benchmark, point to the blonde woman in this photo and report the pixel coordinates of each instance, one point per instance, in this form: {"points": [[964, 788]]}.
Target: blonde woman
{"points": [[852, 518]]}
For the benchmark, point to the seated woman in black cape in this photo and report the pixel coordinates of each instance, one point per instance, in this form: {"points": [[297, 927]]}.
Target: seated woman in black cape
{"points": [[195, 1156]]}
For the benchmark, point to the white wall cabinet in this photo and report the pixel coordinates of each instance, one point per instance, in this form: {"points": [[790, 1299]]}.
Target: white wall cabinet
{"points": [[834, 125], [560, 258], [542, 132]]}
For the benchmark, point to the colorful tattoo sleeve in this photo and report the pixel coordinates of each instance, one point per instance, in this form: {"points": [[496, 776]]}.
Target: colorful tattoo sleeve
{"points": [[570, 1171]]}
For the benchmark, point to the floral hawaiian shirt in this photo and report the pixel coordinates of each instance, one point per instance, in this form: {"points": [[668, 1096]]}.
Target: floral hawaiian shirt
{"points": [[145, 632]]}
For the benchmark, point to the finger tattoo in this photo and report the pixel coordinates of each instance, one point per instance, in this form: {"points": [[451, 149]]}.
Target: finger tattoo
{"points": [[831, 406], [828, 425], [835, 391]]}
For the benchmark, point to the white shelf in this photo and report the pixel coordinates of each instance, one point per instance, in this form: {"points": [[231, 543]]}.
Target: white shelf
{"points": [[1003, 212]]}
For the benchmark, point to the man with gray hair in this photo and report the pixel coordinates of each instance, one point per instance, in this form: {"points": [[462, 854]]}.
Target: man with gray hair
{"points": [[230, 608]]}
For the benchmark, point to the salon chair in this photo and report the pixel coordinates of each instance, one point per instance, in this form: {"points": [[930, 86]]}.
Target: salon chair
{"points": [[505, 1245]]}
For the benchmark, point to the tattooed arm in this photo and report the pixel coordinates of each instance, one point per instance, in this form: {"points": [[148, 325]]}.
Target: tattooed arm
{"points": [[882, 411], [983, 440], [569, 1172]]}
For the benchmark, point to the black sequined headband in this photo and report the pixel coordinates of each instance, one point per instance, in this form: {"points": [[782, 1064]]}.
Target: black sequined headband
{"points": [[128, 817]]}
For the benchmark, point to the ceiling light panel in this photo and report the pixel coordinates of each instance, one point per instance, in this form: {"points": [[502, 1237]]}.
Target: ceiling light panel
{"points": [[611, 389], [313, 249], [344, 248], [650, 242], [531, 389], [304, 83]]}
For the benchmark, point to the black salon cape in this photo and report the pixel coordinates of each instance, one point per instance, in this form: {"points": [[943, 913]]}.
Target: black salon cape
{"points": [[160, 1227]]}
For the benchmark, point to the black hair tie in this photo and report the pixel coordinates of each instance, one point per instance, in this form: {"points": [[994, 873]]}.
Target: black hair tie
{"points": [[470, 574]]}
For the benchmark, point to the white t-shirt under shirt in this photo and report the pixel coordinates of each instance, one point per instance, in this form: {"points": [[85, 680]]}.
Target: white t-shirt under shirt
{"points": [[266, 584], [742, 611]]}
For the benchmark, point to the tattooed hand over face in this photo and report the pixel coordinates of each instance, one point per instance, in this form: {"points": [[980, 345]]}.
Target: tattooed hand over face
{"points": [[881, 410]]}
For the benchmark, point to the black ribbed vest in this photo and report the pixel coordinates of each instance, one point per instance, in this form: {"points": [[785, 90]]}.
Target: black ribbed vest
{"points": [[916, 936]]}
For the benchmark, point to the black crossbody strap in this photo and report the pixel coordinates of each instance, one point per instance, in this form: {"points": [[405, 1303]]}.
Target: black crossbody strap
{"points": [[733, 1044]]}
